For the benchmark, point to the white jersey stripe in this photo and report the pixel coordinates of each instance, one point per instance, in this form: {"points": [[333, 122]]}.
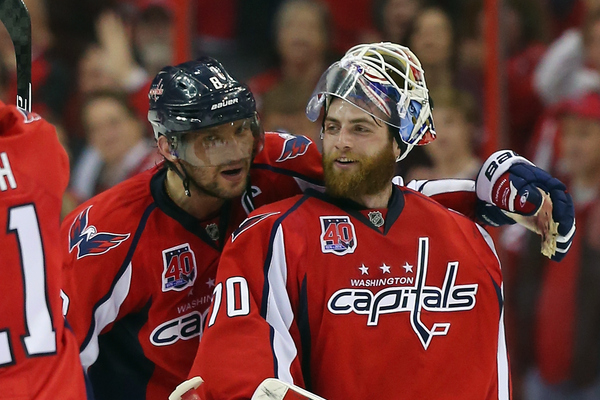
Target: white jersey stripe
{"points": [[489, 241], [105, 314], [431, 188], [502, 359], [279, 310]]}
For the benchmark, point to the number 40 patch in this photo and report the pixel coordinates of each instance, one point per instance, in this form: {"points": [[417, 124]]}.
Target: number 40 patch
{"points": [[179, 268], [337, 235]]}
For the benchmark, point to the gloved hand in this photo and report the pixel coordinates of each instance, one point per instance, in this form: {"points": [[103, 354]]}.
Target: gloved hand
{"points": [[511, 183]]}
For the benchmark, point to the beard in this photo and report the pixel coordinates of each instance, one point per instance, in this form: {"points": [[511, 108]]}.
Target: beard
{"points": [[374, 174]]}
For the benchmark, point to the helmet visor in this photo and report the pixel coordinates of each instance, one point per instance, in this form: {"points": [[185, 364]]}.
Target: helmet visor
{"points": [[373, 94], [218, 145]]}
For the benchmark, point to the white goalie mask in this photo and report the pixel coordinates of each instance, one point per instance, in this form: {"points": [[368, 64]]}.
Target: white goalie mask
{"points": [[386, 81]]}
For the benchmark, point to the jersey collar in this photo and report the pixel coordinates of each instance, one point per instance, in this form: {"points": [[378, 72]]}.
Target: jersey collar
{"points": [[395, 207]]}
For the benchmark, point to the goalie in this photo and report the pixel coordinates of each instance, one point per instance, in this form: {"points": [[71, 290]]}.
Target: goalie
{"points": [[372, 290]]}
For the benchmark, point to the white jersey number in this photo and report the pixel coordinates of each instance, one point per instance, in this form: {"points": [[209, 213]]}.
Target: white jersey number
{"points": [[41, 337], [237, 299]]}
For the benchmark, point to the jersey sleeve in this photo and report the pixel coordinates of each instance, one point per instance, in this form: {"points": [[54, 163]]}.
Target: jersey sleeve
{"points": [[97, 274], [249, 335], [455, 194]]}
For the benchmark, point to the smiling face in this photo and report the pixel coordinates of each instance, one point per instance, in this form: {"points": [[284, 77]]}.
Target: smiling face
{"points": [[359, 154], [218, 159]]}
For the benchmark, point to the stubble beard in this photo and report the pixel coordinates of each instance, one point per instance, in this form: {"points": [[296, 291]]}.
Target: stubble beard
{"points": [[207, 182], [374, 174]]}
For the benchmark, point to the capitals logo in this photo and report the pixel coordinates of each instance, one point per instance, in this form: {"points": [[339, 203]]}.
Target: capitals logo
{"points": [[179, 268], [413, 300], [157, 91], [88, 240], [294, 146], [337, 235]]}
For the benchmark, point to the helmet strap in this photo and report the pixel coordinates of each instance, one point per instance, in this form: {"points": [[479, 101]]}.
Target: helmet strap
{"points": [[186, 180], [183, 175]]}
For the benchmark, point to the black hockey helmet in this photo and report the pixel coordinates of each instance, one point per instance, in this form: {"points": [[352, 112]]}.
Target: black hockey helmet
{"points": [[199, 94]]}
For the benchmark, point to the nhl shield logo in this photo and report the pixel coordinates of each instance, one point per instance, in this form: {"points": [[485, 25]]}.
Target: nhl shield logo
{"points": [[337, 235], [179, 268], [376, 218]]}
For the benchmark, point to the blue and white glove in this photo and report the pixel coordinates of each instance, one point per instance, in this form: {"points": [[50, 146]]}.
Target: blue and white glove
{"points": [[510, 182]]}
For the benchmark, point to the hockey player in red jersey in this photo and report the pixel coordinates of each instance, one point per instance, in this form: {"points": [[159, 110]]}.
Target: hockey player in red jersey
{"points": [[369, 290], [38, 353], [140, 259]]}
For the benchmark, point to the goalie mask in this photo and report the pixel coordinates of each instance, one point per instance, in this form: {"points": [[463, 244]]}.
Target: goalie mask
{"points": [[386, 81], [208, 117]]}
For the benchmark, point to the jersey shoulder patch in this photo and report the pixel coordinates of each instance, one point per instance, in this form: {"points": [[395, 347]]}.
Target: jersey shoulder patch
{"points": [[89, 242], [280, 147]]}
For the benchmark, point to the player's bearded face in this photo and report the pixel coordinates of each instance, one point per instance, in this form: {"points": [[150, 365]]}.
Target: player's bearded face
{"points": [[372, 174], [358, 152]]}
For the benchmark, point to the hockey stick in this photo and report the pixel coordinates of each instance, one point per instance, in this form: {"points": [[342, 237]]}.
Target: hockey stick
{"points": [[274, 389], [15, 17]]}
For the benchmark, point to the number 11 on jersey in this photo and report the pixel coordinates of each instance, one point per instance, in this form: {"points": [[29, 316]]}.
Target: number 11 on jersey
{"points": [[40, 338]]}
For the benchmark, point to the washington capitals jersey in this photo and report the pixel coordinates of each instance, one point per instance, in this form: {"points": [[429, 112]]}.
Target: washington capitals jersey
{"points": [[140, 271], [38, 354], [356, 303]]}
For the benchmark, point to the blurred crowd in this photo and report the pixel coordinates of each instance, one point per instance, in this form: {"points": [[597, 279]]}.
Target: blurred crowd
{"points": [[93, 61]]}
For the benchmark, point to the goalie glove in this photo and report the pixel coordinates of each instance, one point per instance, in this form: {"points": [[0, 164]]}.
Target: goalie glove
{"points": [[511, 182]]}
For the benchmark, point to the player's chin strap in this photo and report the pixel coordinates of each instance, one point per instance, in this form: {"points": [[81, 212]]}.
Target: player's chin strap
{"points": [[185, 178]]}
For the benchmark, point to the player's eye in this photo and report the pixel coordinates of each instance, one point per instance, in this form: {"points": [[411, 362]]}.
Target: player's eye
{"points": [[331, 128], [362, 129]]}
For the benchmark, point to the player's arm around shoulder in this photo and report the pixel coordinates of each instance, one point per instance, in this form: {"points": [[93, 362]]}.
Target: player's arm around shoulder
{"points": [[250, 317], [296, 154]]}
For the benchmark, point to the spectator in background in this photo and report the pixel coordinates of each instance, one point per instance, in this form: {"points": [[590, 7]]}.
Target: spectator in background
{"points": [[108, 64], [153, 35], [571, 66], [523, 35], [284, 110], [117, 145], [394, 19], [452, 154], [303, 42], [433, 41], [558, 307]]}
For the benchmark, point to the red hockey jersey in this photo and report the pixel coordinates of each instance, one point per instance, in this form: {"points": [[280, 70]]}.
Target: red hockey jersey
{"points": [[140, 271], [398, 303], [38, 354]]}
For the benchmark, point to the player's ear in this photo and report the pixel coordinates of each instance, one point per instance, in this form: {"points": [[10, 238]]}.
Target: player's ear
{"points": [[164, 148]]}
